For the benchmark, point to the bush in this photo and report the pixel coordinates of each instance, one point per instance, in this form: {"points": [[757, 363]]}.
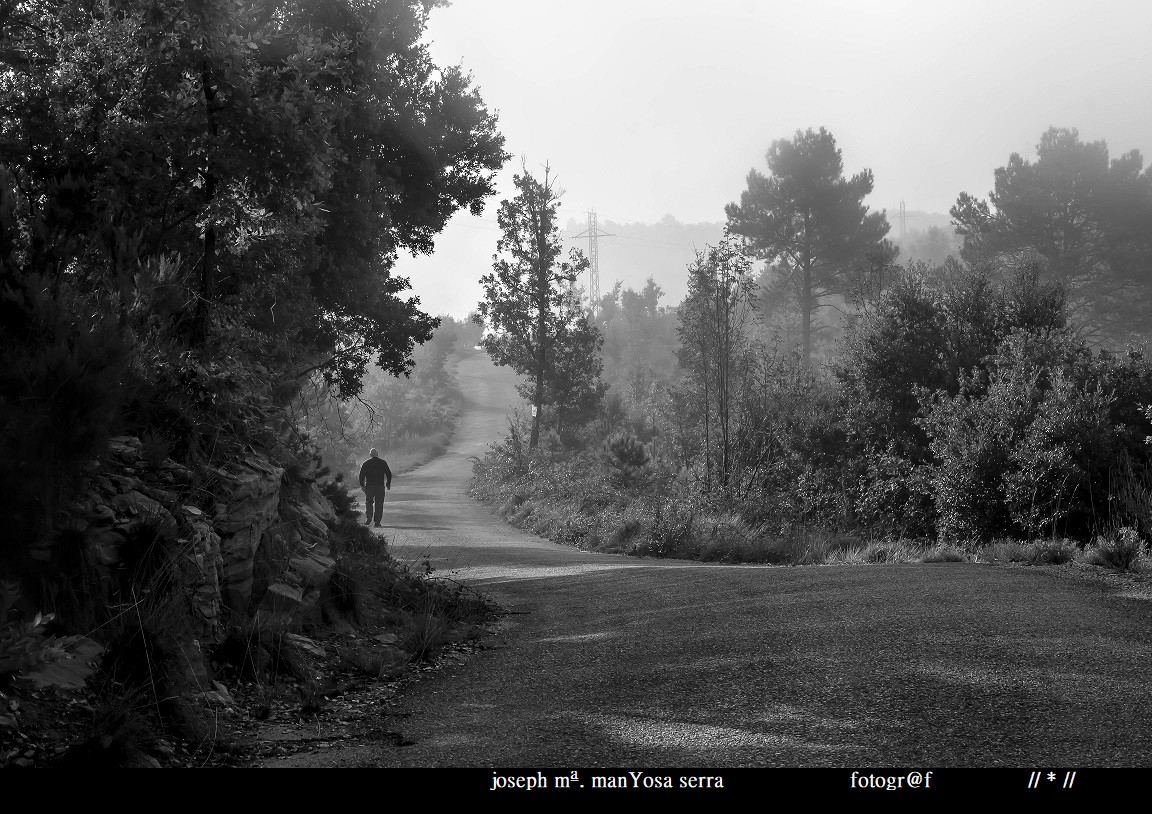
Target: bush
{"points": [[61, 388], [944, 553], [873, 553], [1016, 448], [895, 496], [888, 552], [257, 652], [627, 458], [1007, 551], [1051, 552], [1121, 550]]}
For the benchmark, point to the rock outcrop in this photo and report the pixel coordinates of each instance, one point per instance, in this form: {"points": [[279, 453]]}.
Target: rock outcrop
{"points": [[254, 546]]}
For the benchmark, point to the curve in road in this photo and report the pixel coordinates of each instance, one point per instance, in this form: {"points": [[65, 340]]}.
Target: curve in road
{"points": [[612, 661]]}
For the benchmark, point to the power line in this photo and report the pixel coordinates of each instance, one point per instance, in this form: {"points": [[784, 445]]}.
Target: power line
{"points": [[655, 242]]}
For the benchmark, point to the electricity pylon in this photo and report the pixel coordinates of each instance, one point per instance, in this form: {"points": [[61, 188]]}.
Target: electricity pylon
{"points": [[592, 233], [903, 215]]}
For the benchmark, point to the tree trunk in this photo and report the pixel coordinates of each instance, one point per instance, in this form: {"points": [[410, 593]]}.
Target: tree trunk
{"points": [[725, 394], [806, 321], [538, 400], [806, 299], [707, 406]]}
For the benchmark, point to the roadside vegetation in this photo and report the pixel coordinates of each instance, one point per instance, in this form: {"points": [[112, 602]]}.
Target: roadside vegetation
{"points": [[815, 401]]}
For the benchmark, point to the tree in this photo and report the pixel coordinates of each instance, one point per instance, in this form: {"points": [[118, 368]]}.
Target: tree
{"points": [[810, 221], [200, 205], [714, 321], [574, 387], [926, 335], [529, 302], [1089, 218], [275, 155]]}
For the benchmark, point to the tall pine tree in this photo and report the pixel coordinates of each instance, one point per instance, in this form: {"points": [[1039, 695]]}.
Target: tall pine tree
{"points": [[810, 221]]}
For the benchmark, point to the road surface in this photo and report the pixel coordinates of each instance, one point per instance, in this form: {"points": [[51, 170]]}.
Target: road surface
{"points": [[612, 661]]}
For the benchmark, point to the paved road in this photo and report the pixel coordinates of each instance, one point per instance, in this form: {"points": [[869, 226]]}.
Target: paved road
{"points": [[622, 662]]}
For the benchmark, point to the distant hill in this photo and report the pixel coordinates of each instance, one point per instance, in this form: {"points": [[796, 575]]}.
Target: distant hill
{"points": [[637, 251], [663, 250]]}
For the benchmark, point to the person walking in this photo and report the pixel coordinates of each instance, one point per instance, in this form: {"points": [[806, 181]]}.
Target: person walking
{"points": [[375, 480]]}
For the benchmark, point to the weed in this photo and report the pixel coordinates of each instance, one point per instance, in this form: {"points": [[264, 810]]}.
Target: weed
{"points": [[944, 552], [123, 733], [424, 634], [377, 662], [1122, 551], [1050, 552], [1007, 551], [258, 652], [343, 598]]}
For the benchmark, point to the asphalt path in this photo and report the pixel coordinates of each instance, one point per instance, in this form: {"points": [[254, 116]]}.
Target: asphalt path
{"points": [[613, 661]]}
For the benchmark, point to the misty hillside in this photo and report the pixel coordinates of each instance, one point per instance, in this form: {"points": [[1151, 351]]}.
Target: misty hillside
{"points": [[663, 250]]}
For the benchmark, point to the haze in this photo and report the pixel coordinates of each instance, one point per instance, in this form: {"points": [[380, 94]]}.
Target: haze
{"points": [[649, 108]]}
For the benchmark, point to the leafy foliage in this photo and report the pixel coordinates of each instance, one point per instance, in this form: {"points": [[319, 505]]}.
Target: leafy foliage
{"points": [[627, 457], [1084, 214], [292, 148]]}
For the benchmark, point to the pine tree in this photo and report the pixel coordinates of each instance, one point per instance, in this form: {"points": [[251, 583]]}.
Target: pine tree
{"points": [[810, 221]]}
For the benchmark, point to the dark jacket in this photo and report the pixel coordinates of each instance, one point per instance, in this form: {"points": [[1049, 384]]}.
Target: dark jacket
{"points": [[375, 471]]}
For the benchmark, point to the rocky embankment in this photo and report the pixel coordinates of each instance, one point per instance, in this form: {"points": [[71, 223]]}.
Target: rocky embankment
{"points": [[252, 546]]}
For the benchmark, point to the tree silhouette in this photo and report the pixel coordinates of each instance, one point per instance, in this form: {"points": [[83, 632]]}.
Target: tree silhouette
{"points": [[810, 221], [531, 307], [1089, 218]]}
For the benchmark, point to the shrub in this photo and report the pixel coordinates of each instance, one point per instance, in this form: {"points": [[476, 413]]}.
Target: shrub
{"points": [[627, 458], [61, 387], [847, 556], [724, 537], [887, 552], [944, 553], [1050, 552], [1006, 551], [375, 662], [1120, 550], [622, 535], [424, 634], [122, 734], [1016, 447], [343, 597], [257, 652], [895, 496]]}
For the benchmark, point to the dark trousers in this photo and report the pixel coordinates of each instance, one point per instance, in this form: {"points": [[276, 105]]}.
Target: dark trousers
{"points": [[374, 493]]}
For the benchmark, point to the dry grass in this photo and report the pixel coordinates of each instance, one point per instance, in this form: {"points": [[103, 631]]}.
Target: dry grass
{"points": [[943, 552], [1123, 550]]}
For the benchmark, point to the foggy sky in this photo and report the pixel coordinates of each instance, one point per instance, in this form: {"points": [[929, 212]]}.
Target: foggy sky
{"points": [[653, 107]]}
